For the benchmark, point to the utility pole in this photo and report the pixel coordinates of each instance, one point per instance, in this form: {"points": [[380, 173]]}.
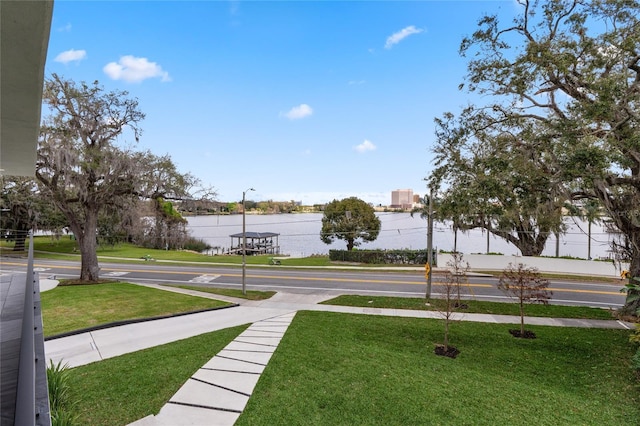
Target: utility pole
{"points": [[244, 243], [428, 266], [488, 234]]}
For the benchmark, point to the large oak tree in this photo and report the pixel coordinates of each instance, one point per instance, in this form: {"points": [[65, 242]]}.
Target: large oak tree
{"points": [[80, 166], [573, 67], [495, 178]]}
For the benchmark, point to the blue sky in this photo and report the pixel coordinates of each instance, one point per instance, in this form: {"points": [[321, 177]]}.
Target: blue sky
{"points": [[301, 100]]}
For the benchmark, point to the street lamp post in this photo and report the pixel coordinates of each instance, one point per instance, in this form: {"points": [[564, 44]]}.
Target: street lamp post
{"points": [[244, 243]]}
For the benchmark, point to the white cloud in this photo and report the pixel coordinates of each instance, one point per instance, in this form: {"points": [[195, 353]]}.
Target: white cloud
{"points": [[298, 112], [71, 56], [66, 28], [365, 146], [397, 37], [134, 70], [518, 5]]}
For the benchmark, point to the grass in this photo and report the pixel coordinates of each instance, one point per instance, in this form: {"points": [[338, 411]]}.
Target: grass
{"points": [[64, 248], [69, 308], [342, 369], [474, 306], [118, 391], [355, 369], [231, 292]]}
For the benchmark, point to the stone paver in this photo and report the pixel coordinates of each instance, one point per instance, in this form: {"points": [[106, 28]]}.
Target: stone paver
{"points": [[218, 392]]}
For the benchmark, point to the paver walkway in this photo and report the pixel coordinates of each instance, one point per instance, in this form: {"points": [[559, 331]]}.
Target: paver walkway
{"points": [[218, 392]]}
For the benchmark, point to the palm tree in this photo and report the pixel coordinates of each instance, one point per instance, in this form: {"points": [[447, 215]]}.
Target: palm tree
{"points": [[591, 211]]}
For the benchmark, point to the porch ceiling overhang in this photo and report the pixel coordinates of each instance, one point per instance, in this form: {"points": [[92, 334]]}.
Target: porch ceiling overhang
{"points": [[24, 39]]}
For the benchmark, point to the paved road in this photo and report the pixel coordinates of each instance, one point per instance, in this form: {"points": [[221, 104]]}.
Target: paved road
{"points": [[405, 283]]}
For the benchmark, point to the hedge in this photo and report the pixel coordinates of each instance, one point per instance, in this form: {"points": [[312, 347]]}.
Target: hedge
{"points": [[393, 257]]}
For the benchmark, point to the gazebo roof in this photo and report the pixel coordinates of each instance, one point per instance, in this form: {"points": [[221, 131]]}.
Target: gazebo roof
{"points": [[255, 235]]}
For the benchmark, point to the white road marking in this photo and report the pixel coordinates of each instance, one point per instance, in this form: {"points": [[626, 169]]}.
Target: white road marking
{"points": [[204, 279], [114, 274]]}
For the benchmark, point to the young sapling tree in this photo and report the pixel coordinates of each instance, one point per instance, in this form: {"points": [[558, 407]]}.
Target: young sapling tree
{"points": [[526, 285], [449, 289]]}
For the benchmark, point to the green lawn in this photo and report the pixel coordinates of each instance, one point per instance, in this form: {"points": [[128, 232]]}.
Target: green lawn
{"points": [[340, 369], [68, 308], [118, 391], [474, 306], [231, 292], [66, 248]]}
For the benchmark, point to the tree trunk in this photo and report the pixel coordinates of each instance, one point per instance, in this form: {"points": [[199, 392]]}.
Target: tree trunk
{"points": [[632, 307], [87, 242], [488, 232], [349, 244], [455, 240], [20, 240], [446, 333], [529, 244], [158, 224], [521, 319], [89, 270], [589, 241]]}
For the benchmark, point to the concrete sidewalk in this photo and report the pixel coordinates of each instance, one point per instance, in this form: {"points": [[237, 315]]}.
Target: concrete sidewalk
{"points": [[218, 392], [97, 345]]}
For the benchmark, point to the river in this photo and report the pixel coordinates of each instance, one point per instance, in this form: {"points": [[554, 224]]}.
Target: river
{"points": [[300, 235]]}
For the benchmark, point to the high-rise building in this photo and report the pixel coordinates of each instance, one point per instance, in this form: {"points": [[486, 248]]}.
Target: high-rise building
{"points": [[402, 198]]}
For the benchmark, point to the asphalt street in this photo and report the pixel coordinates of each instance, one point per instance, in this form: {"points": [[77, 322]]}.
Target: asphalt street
{"points": [[408, 283]]}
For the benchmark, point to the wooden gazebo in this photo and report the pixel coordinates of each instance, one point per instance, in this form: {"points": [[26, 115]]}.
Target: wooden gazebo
{"points": [[257, 243]]}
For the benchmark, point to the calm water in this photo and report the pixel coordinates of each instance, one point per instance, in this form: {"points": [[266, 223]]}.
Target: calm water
{"points": [[300, 235]]}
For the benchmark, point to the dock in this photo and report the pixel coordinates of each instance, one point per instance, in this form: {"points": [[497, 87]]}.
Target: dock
{"points": [[257, 243]]}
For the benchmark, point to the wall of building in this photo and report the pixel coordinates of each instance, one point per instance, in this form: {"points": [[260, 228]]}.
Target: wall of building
{"points": [[479, 262]]}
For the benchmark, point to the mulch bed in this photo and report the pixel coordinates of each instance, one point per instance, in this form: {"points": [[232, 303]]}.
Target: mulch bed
{"points": [[81, 282], [527, 334], [451, 351]]}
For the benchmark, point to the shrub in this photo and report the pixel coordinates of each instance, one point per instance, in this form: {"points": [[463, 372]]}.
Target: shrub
{"points": [[195, 244], [61, 400], [393, 257]]}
